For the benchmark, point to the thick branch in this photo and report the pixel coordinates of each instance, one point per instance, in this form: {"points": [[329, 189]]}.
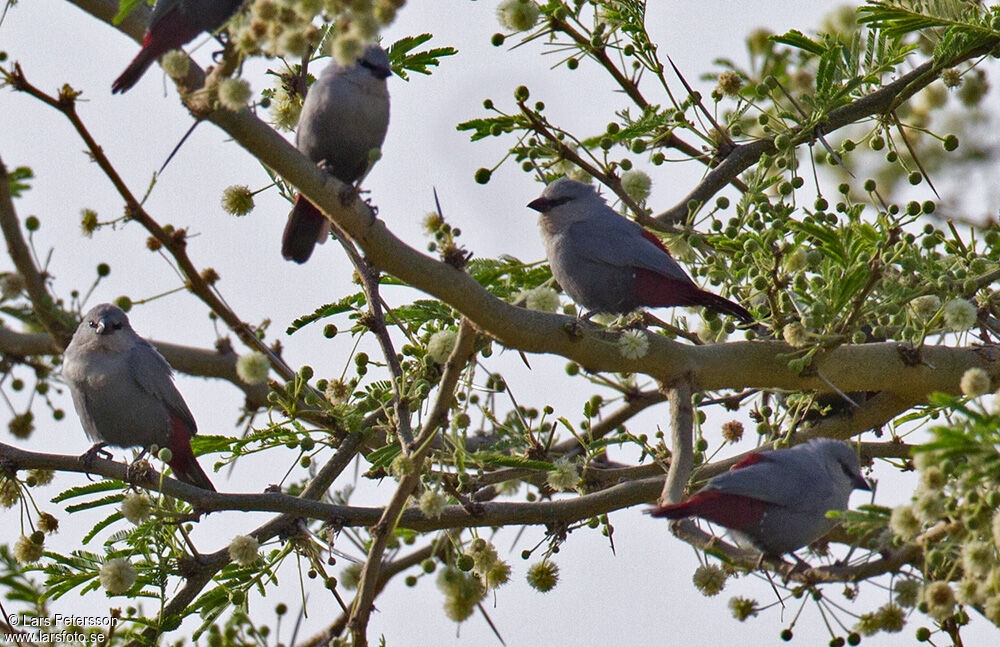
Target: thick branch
{"points": [[681, 442]]}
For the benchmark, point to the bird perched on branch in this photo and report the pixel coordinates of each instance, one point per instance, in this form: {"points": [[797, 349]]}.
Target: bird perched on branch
{"points": [[777, 501], [124, 393], [344, 117], [173, 23], [607, 263]]}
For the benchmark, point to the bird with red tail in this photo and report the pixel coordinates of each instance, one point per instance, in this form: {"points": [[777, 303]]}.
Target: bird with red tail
{"points": [[173, 23], [777, 501], [124, 393], [344, 117], [607, 263]]}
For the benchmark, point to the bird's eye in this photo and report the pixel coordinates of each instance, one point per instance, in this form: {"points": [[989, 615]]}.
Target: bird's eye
{"points": [[555, 202], [92, 324]]}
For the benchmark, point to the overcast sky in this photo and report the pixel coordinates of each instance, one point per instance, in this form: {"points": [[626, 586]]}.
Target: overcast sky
{"points": [[641, 594]]}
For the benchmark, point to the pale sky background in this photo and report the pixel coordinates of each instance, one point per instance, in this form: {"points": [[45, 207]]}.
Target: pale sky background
{"points": [[642, 595]]}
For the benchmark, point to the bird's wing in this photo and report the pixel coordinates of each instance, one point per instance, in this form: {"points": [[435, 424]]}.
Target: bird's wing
{"points": [[620, 242], [780, 477], [153, 375], [85, 411]]}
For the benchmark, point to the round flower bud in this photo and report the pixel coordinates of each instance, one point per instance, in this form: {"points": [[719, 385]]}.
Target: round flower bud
{"points": [[709, 579], [237, 200], [543, 576]]}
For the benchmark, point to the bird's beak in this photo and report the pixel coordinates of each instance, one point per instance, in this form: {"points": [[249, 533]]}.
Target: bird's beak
{"points": [[100, 327], [861, 483], [539, 204]]}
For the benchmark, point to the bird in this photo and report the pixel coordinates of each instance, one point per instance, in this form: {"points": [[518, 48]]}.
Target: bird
{"points": [[124, 393], [776, 501], [607, 263], [344, 117], [173, 23]]}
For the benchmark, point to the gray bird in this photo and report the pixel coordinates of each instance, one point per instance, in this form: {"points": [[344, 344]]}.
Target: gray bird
{"points": [[171, 24], [124, 393], [777, 501], [345, 115], [607, 263]]}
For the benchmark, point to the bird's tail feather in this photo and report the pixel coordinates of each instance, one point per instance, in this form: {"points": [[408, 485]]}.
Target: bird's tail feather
{"points": [[306, 224], [134, 71], [721, 305]]}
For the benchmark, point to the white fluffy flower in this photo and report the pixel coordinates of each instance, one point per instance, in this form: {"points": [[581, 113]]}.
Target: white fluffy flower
{"points": [[432, 503], [925, 307], [564, 477], [637, 184], [542, 298], [175, 63], [234, 93], [117, 575], [633, 344], [253, 367], [27, 550], [517, 15], [794, 334], [975, 382], [441, 344], [136, 507], [959, 314], [243, 550]]}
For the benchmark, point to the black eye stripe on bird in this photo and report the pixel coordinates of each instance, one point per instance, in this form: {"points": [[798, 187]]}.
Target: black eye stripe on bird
{"points": [[607, 263], [345, 115], [124, 393]]}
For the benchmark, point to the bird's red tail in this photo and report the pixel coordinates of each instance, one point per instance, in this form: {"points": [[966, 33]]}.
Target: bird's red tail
{"points": [[134, 71], [728, 510], [656, 290], [304, 227], [183, 463]]}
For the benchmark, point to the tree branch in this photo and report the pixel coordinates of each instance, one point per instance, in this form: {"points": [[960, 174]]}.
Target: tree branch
{"points": [[367, 587]]}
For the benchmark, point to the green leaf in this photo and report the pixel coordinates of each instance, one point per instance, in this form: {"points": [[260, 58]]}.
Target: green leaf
{"points": [[17, 180], [347, 304], [91, 488], [402, 60], [125, 7], [513, 461], [798, 40]]}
